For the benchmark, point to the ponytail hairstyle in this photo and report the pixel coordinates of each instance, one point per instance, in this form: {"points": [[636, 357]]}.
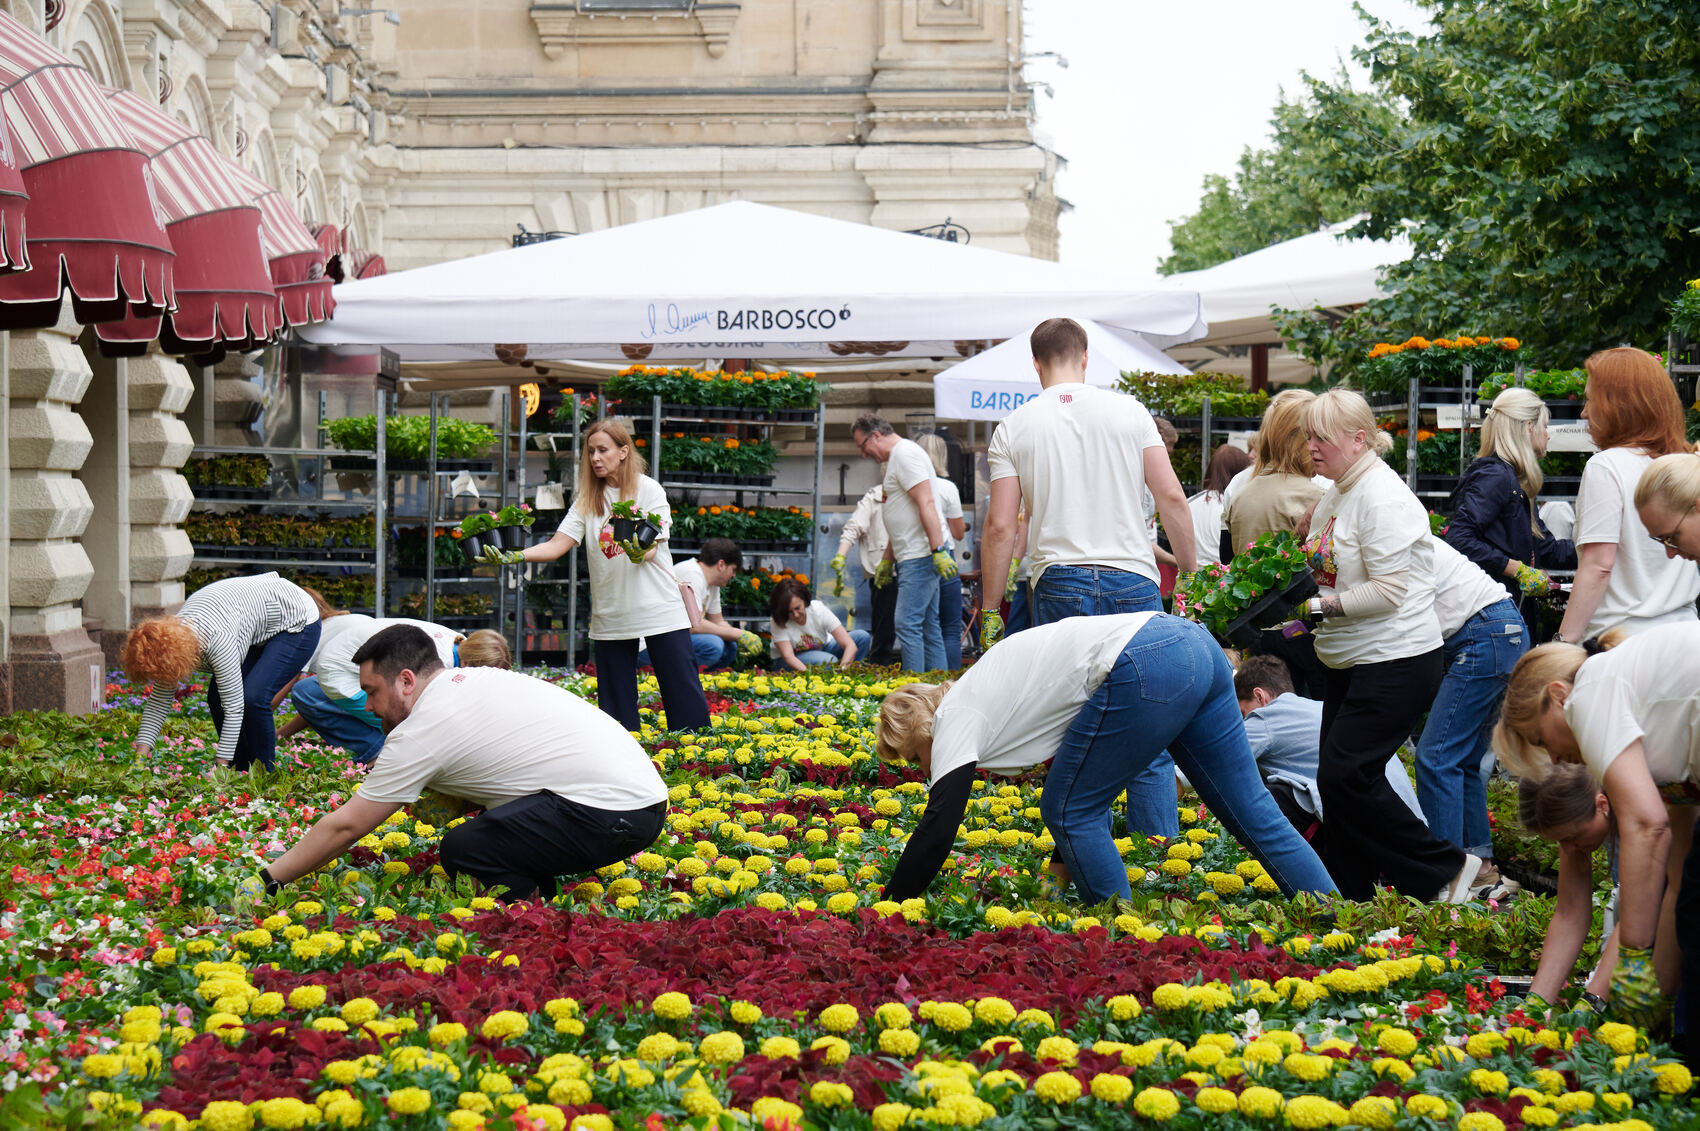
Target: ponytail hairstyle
{"points": [[1527, 697], [1566, 795], [1508, 433], [1337, 413]]}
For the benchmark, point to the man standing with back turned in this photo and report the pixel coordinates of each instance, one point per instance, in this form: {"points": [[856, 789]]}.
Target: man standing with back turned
{"points": [[1081, 458]]}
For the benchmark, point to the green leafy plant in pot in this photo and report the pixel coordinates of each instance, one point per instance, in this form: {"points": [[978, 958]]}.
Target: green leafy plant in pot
{"points": [[633, 527], [1257, 590], [473, 534], [512, 524]]}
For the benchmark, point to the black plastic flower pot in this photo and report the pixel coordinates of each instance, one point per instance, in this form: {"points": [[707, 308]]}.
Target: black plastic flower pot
{"points": [[1565, 409], [1270, 610], [623, 528], [646, 532], [472, 545], [512, 537]]}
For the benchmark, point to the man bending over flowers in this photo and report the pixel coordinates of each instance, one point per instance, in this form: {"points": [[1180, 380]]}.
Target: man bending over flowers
{"points": [[564, 788]]}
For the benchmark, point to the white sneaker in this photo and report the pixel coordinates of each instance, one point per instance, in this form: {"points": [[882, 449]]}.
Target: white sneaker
{"points": [[1458, 891]]}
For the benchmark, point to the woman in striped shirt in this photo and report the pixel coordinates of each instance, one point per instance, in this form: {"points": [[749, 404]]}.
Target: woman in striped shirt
{"points": [[253, 633]]}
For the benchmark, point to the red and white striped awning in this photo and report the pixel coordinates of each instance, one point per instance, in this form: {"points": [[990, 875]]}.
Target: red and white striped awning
{"points": [[224, 289], [95, 224], [364, 265], [14, 253], [297, 261]]}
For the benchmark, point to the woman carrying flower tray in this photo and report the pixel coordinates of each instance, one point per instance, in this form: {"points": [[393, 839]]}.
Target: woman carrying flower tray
{"points": [[633, 592], [1098, 699]]}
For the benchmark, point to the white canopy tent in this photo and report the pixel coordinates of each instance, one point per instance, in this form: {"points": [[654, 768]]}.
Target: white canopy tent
{"points": [[740, 280], [1324, 269], [993, 384]]}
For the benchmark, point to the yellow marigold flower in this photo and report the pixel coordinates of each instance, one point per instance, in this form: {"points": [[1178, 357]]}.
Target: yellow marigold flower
{"points": [[893, 1015], [1216, 1101], [1307, 1067], [409, 1101], [1427, 1107], [287, 1113], [1176, 867], [1538, 1116], [1377, 1112], [1156, 1103], [1060, 1049], [1389, 1066], [102, 1066], [994, 1011], [1480, 1121], [833, 1050], [781, 1048], [773, 1111], [839, 1018], [745, 1013], [899, 1042], [226, 1115], [164, 1119], [1673, 1079], [657, 1047], [672, 1006], [446, 1033], [503, 1024], [891, 1116], [951, 1017], [358, 1011], [464, 1120], [1111, 1088], [1170, 996], [723, 1047], [1485, 1044], [1057, 1088], [699, 1102], [1397, 1042], [1488, 1082], [1308, 1112], [569, 1093], [1618, 1037], [830, 1093], [1261, 1103], [1124, 1007], [1035, 1018]]}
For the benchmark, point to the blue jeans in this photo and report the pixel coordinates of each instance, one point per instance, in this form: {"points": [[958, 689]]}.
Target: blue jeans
{"points": [[1171, 687], [1087, 591], [339, 722], [950, 620], [712, 651], [1020, 611], [1478, 658], [265, 669], [918, 615], [831, 651]]}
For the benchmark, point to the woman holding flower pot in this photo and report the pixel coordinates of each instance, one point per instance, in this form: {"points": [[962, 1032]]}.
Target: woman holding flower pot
{"points": [[633, 592], [1097, 699], [1378, 637]]}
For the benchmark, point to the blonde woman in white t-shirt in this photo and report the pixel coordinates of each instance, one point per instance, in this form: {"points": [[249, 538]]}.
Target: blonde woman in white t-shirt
{"points": [[1379, 639], [1623, 578], [1624, 706], [633, 592]]}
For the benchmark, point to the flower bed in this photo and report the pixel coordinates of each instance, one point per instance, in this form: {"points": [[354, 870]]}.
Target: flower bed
{"points": [[743, 971]]}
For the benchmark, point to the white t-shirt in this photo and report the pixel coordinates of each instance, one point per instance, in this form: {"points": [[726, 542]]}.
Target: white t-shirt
{"points": [[1646, 587], [628, 599], [1011, 709], [1079, 452], [815, 632], [949, 502], [341, 637], [491, 736], [1207, 507], [1644, 688], [909, 465], [690, 574], [1240, 479], [1375, 528], [1461, 589]]}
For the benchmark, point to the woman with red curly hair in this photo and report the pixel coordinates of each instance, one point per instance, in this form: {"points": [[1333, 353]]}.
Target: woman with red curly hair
{"points": [[254, 634]]}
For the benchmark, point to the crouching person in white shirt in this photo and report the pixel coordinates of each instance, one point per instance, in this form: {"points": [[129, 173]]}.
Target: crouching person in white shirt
{"points": [[564, 788]]}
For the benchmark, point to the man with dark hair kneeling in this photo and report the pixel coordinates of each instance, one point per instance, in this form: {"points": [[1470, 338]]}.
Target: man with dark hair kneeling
{"points": [[564, 788]]}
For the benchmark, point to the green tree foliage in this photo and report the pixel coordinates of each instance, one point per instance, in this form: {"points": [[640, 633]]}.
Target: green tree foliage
{"points": [[1274, 194], [1542, 169]]}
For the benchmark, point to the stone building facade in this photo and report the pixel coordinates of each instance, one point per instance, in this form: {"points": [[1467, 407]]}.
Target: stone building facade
{"points": [[426, 130]]}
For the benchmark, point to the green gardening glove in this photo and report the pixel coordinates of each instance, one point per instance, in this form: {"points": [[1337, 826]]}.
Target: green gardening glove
{"points": [[1635, 996], [1010, 583], [884, 574], [837, 564], [991, 628], [945, 564], [749, 644], [1531, 582], [495, 555]]}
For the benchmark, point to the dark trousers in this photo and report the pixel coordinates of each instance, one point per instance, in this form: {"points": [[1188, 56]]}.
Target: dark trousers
{"points": [[1367, 831], [884, 602], [675, 663], [528, 843], [265, 669], [1688, 942]]}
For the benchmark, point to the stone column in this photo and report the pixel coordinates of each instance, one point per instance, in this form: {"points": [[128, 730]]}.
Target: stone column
{"points": [[54, 664], [159, 551], [237, 402]]}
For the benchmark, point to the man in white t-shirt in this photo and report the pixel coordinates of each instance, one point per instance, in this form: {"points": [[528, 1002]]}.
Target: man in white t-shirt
{"points": [[916, 555], [564, 788], [1080, 459], [715, 642]]}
